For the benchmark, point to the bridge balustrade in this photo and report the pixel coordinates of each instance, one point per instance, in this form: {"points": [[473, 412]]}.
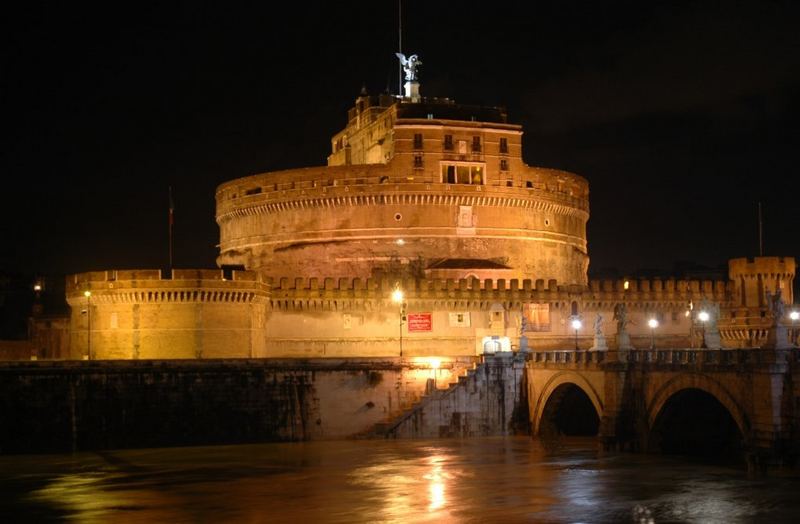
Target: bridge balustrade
{"points": [[666, 357]]}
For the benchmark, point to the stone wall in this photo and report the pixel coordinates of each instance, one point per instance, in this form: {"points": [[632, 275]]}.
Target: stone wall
{"points": [[141, 314], [63, 406]]}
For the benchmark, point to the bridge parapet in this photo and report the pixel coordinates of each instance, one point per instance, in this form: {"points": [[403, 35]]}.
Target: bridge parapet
{"points": [[669, 358]]}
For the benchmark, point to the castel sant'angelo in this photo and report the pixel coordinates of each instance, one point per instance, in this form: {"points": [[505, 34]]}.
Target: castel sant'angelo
{"points": [[425, 235]]}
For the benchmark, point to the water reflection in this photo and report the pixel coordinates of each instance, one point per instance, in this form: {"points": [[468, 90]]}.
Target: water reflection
{"points": [[481, 480]]}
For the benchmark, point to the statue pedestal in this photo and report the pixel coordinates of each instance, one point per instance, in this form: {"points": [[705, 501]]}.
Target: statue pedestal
{"points": [[523, 344], [778, 338], [624, 341], [599, 343], [412, 90]]}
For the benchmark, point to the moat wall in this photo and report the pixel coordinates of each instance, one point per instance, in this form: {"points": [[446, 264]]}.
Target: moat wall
{"points": [[78, 405]]}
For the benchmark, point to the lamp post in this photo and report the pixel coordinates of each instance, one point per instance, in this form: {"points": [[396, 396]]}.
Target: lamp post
{"points": [[704, 316], [398, 298], [794, 316], [576, 325], [653, 323], [88, 295]]}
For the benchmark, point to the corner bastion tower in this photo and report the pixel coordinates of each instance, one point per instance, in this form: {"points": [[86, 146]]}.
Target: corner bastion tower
{"points": [[422, 187]]}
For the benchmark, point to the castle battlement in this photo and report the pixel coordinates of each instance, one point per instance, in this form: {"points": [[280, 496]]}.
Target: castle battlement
{"points": [[150, 286], [601, 294]]}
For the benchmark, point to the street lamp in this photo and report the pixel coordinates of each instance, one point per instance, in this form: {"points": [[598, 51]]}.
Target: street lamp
{"points": [[435, 363], [398, 298], [576, 325], [653, 323], [704, 316], [88, 295], [794, 316]]}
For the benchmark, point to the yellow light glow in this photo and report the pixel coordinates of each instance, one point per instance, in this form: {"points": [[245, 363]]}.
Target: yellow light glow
{"points": [[87, 293], [400, 242], [435, 363], [37, 287], [794, 315], [703, 316], [626, 284], [576, 324], [397, 295], [653, 323]]}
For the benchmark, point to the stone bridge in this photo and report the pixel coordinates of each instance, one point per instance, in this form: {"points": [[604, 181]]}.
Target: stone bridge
{"points": [[700, 401]]}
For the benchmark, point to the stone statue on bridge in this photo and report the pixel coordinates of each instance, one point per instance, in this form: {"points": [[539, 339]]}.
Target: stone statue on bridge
{"points": [[776, 306], [711, 336], [623, 338], [599, 338], [778, 335]]}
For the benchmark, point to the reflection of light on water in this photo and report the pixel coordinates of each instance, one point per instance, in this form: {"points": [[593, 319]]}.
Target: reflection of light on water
{"points": [[403, 479], [436, 486]]}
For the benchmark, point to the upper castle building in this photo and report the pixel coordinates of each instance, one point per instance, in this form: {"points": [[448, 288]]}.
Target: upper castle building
{"points": [[416, 186]]}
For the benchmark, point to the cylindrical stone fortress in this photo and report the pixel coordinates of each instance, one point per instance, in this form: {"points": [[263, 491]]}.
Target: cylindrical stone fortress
{"points": [[407, 190]]}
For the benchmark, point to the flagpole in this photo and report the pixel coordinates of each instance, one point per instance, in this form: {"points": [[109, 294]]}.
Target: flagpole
{"points": [[171, 222]]}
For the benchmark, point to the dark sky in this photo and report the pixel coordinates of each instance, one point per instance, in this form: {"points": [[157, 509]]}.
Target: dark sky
{"points": [[682, 115]]}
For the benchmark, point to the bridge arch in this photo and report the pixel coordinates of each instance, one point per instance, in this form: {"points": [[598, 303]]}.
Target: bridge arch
{"points": [[553, 383], [702, 382]]}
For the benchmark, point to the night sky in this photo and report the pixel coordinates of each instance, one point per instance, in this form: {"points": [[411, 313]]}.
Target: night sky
{"points": [[682, 115]]}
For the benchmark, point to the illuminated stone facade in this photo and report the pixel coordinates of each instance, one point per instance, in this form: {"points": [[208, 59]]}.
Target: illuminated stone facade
{"points": [[411, 187]]}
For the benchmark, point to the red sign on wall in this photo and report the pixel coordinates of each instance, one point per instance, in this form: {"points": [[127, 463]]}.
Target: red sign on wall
{"points": [[420, 322]]}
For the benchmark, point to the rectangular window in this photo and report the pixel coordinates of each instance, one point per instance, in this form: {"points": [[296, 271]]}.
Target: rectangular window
{"points": [[448, 142], [417, 140], [417, 160], [476, 144], [449, 174], [504, 145], [503, 164], [462, 174]]}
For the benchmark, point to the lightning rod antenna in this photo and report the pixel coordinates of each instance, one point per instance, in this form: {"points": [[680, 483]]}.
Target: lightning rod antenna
{"points": [[400, 46]]}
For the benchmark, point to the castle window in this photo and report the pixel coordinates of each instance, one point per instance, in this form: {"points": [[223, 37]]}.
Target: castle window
{"points": [[462, 173], [476, 144], [448, 142], [417, 160], [504, 145], [503, 164], [417, 140], [253, 191], [529, 184]]}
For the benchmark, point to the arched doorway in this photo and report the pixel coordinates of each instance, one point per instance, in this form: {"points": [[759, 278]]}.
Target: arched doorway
{"points": [[693, 422], [569, 411]]}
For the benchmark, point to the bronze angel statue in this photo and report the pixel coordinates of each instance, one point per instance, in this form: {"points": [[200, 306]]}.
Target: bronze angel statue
{"points": [[410, 66]]}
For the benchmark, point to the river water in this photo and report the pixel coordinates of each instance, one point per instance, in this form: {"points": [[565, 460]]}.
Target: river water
{"points": [[480, 480]]}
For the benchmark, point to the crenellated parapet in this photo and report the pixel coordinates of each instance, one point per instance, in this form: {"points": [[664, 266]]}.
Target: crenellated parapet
{"points": [[330, 293], [757, 276], [151, 286]]}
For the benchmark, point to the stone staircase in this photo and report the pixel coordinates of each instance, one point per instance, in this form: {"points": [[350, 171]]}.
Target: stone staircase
{"points": [[480, 403]]}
